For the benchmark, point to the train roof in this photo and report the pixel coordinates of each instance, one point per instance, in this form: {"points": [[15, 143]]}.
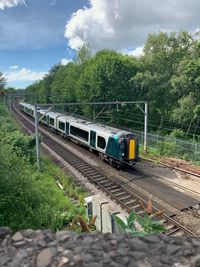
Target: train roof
{"points": [[82, 122], [95, 126], [53, 114], [26, 104], [43, 111]]}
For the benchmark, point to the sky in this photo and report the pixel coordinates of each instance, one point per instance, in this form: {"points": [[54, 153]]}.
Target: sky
{"points": [[37, 34]]}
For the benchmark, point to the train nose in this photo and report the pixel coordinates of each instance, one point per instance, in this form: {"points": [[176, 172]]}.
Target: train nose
{"points": [[132, 149]]}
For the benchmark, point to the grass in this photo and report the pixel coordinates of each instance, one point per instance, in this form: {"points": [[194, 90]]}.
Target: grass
{"points": [[71, 190]]}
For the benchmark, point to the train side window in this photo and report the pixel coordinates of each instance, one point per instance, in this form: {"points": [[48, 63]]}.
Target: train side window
{"points": [[101, 142], [79, 133], [67, 127], [51, 121], [61, 125]]}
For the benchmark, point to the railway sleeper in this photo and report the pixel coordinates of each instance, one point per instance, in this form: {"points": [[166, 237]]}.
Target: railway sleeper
{"points": [[116, 190], [108, 186], [80, 162], [82, 165], [113, 186], [120, 194], [91, 171], [85, 169], [106, 183], [97, 176], [172, 231], [170, 227], [135, 207], [98, 180], [125, 197], [131, 202]]}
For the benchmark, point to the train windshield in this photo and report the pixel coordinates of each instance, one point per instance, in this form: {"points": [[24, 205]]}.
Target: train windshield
{"points": [[122, 145]]}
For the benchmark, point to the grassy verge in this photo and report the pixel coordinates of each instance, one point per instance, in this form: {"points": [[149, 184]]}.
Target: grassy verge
{"points": [[28, 198]]}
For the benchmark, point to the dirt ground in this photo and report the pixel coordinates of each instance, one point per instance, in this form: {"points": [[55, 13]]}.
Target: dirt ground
{"points": [[182, 164], [180, 181]]}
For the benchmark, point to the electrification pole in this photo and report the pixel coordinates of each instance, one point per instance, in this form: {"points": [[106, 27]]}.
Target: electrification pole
{"points": [[37, 137], [145, 125], [10, 107]]}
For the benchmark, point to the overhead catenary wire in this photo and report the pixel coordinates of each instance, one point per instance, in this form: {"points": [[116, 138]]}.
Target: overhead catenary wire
{"points": [[149, 124]]}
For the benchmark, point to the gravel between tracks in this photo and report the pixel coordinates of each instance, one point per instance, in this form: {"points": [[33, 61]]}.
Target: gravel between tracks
{"points": [[189, 221]]}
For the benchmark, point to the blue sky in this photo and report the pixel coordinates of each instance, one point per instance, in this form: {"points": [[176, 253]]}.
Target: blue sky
{"points": [[37, 34], [32, 37]]}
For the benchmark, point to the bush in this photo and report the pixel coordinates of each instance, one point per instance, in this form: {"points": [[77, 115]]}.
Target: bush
{"points": [[167, 148], [177, 133], [28, 198]]}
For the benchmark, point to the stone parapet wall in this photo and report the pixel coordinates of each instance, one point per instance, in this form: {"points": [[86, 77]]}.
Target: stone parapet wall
{"points": [[45, 248]]}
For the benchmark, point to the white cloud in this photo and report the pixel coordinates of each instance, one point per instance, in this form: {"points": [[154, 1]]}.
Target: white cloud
{"points": [[65, 61], [134, 52], [118, 24], [10, 3], [13, 67], [24, 75]]}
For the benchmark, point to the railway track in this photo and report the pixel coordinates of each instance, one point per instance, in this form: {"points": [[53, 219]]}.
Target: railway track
{"points": [[127, 199], [195, 210]]}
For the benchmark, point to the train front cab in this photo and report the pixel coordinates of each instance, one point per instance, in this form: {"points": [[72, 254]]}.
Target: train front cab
{"points": [[130, 148], [123, 149]]}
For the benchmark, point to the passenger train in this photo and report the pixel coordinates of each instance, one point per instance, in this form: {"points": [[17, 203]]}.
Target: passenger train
{"points": [[116, 146]]}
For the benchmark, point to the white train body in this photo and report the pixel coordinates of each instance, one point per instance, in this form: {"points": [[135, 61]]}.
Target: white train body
{"points": [[115, 145]]}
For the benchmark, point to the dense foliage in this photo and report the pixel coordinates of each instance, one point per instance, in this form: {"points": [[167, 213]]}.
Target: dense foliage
{"points": [[167, 75], [28, 198]]}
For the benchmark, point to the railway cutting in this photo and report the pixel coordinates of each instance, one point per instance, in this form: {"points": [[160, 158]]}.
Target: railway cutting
{"points": [[126, 198]]}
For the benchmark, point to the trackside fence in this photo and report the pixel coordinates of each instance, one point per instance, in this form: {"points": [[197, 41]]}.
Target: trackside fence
{"points": [[168, 146]]}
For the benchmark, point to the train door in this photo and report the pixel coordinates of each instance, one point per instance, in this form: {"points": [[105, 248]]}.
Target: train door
{"points": [[92, 138], [67, 128], [47, 119]]}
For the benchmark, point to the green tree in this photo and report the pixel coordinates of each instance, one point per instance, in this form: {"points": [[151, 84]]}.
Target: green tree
{"points": [[162, 55], [2, 81], [83, 54], [64, 83], [107, 77], [2, 84], [186, 110]]}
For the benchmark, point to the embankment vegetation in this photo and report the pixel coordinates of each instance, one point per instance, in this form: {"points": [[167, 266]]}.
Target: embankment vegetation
{"points": [[31, 198]]}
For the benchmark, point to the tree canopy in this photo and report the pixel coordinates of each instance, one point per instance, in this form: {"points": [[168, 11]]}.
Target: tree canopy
{"points": [[167, 75]]}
